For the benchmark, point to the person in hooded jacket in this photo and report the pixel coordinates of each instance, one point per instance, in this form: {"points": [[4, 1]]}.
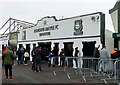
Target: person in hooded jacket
{"points": [[8, 60], [38, 59], [33, 58]]}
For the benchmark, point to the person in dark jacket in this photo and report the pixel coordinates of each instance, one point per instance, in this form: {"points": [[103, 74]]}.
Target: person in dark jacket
{"points": [[118, 53], [62, 57], [38, 59], [114, 53], [19, 56], [8, 60], [33, 58], [96, 55], [22, 49]]}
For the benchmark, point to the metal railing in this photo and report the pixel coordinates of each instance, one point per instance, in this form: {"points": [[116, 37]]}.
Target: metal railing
{"points": [[55, 65], [86, 67], [117, 71]]}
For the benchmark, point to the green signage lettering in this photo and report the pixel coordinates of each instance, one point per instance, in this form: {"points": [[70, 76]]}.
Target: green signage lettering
{"points": [[46, 29]]}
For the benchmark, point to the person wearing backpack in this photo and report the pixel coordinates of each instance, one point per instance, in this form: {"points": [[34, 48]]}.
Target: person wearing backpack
{"points": [[114, 53], [26, 55]]}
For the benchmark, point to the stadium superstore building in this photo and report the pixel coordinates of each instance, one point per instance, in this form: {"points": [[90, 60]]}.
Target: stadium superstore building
{"points": [[82, 31]]}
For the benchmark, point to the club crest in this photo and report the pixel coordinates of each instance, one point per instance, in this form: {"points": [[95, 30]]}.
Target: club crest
{"points": [[78, 27]]}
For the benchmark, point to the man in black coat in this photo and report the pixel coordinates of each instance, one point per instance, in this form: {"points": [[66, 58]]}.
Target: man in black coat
{"points": [[33, 58], [38, 59], [96, 55]]}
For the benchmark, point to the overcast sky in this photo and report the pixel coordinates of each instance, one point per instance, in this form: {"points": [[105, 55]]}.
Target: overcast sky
{"points": [[33, 10]]}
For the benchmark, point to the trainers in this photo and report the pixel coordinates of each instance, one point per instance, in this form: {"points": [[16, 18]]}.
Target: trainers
{"points": [[39, 71], [31, 70], [6, 78], [36, 71], [25, 64], [11, 78]]}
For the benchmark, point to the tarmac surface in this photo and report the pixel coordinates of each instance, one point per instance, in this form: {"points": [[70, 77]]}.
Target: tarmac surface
{"points": [[23, 74]]}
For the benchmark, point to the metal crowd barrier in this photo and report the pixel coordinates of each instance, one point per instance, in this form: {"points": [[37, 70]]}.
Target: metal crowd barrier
{"points": [[68, 63], [74, 69], [117, 71], [85, 67], [108, 70], [103, 73], [55, 65]]}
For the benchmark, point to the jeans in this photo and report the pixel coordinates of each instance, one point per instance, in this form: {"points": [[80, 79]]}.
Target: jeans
{"points": [[26, 59], [49, 63], [38, 66], [8, 67], [33, 66], [19, 61], [22, 59]]}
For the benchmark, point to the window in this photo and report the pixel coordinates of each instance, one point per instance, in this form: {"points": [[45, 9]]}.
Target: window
{"points": [[23, 35]]}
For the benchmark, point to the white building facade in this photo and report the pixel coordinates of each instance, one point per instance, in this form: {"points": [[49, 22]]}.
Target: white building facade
{"points": [[80, 31]]}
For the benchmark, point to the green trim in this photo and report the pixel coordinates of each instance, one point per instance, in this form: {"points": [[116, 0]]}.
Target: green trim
{"points": [[119, 17], [114, 8], [116, 35], [115, 42], [102, 29]]}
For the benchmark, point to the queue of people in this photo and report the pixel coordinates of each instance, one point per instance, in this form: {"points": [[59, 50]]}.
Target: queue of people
{"points": [[105, 58], [36, 53]]}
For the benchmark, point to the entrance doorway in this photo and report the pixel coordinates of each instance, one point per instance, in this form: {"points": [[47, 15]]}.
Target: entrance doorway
{"points": [[28, 48], [34, 45], [68, 51], [3, 47], [45, 48], [56, 49], [68, 48], [88, 48], [20, 45]]}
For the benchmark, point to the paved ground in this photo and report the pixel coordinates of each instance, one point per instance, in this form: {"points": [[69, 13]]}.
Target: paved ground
{"points": [[23, 74]]}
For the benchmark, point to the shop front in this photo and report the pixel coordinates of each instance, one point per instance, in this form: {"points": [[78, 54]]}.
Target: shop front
{"points": [[80, 31]]}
